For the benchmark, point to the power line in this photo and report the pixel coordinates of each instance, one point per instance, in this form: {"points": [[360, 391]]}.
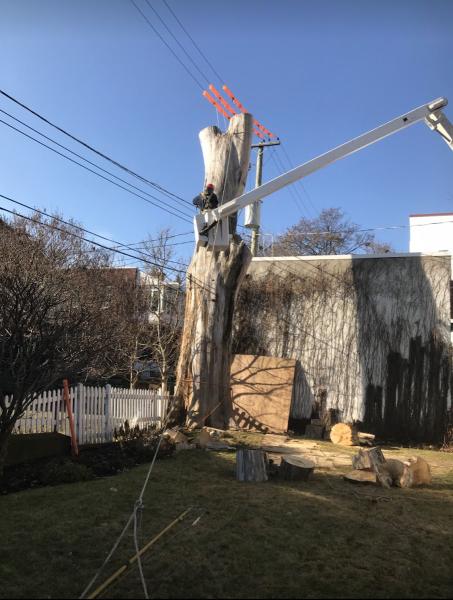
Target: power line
{"points": [[163, 40], [202, 54], [291, 189], [299, 182], [84, 158], [177, 41], [368, 229], [80, 228], [91, 148], [93, 242], [185, 216]]}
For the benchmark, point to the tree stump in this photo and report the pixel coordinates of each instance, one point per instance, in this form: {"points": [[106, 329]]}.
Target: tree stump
{"points": [[251, 465], [377, 464], [296, 468], [419, 472], [361, 461], [344, 434], [213, 280]]}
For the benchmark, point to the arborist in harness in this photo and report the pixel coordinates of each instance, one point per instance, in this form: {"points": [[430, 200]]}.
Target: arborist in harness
{"points": [[207, 199]]}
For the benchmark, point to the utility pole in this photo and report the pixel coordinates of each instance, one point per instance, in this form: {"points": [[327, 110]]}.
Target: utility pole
{"points": [[253, 212]]}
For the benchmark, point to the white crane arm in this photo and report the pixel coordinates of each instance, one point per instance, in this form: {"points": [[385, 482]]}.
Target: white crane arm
{"points": [[216, 218]]}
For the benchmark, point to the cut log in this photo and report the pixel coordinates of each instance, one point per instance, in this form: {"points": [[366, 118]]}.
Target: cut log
{"points": [[377, 464], [361, 461], [213, 279], [419, 472], [296, 468], [203, 439], [176, 436], [251, 465], [344, 434], [388, 472], [366, 439], [360, 477]]}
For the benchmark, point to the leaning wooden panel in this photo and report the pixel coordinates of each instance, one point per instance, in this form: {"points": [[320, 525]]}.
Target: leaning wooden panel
{"points": [[261, 389]]}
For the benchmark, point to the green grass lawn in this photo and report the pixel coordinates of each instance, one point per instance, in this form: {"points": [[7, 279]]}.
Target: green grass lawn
{"points": [[320, 539]]}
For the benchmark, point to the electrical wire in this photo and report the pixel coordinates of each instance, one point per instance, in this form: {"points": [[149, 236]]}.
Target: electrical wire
{"points": [[368, 229], [202, 54], [299, 182], [177, 41], [279, 171], [70, 224], [185, 217], [87, 160], [104, 247], [164, 41], [91, 148]]}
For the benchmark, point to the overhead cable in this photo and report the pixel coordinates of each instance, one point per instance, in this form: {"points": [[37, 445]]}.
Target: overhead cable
{"points": [[98, 152], [184, 217], [86, 159]]}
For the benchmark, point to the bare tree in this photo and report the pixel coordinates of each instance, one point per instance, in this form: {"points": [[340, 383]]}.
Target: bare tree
{"points": [[58, 316], [166, 308], [329, 233]]}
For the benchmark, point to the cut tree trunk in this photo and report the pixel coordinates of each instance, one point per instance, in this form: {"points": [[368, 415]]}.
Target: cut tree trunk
{"points": [[344, 434], [378, 465], [296, 468], [213, 280], [251, 465]]}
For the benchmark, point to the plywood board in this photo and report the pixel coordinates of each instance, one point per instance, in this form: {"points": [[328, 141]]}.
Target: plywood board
{"points": [[262, 388]]}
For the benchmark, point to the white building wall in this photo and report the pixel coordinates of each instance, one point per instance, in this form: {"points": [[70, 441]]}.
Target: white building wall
{"points": [[431, 232]]}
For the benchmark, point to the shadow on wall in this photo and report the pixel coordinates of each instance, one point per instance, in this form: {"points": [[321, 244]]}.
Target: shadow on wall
{"points": [[371, 334], [403, 316]]}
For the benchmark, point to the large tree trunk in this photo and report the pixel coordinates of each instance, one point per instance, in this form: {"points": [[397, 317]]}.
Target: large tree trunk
{"points": [[213, 279]]}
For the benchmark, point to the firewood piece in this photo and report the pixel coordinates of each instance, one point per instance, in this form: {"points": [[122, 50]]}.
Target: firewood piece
{"points": [[378, 465], [176, 436], [203, 439], [344, 434], [296, 468], [251, 465], [361, 461], [366, 436], [419, 471], [360, 477]]}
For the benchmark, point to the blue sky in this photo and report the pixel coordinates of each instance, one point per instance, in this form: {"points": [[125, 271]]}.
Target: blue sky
{"points": [[315, 73]]}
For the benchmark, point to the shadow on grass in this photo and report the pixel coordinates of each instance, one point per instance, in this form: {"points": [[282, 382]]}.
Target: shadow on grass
{"points": [[323, 538]]}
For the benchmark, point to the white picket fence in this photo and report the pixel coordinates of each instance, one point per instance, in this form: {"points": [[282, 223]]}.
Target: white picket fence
{"points": [[98, 411]]}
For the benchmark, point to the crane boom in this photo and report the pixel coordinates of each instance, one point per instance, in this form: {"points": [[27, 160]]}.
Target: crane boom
{"points": [[211, 227]]}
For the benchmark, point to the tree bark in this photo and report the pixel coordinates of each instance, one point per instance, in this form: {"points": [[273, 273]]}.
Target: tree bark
{"points": [[251, 465], [213, 280]]}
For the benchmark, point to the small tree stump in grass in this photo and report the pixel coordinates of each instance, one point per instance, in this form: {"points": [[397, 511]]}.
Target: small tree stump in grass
{"points": [[251, 465], [296, 468]]}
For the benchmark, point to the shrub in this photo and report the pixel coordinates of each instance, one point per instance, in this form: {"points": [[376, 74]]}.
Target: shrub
{"points": [[64, 471]]}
